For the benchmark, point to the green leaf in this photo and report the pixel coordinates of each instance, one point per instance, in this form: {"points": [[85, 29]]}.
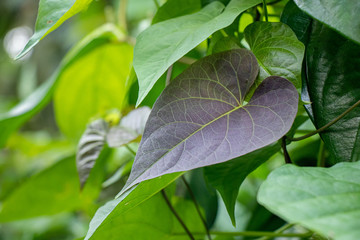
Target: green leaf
{"points": [[277, 50], [49, 192], [325, 200], [13, 119], [176, 8], [227, 177], [333, 82], [175, 37], [107, 214], [342, 16], [92, 85], [50, 16]]}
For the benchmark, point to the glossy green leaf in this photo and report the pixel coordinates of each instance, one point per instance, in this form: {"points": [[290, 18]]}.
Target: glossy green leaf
{"points": [[46, 193], [107, 214], [201, 118], [51, 15], [333, 75], [13, 119], [277, 50], [91, 86], [326, 200], [227, 177], [343, 16], [175, 37], [176, 8]]}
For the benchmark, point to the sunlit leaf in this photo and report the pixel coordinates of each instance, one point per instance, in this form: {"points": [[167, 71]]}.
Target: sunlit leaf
{"points": [[277, 50], [162, 44], [326, 200], [50, 16], [49, 192], [342, 16], [105, 215], [227, 177], [201, 118]]}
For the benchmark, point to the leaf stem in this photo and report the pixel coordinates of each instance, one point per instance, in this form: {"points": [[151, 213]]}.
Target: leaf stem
{"points": [[286, 154], [168, 75], [327, 125], [130, 150], [187, 60], [265, 11], [254, 234], [191, 193], [177, 215], [321, 156], [156, 4], [122, 14], [280, 230]]}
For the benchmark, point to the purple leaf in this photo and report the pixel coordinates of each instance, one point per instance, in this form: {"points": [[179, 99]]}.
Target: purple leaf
{"points": [[201, 118]]}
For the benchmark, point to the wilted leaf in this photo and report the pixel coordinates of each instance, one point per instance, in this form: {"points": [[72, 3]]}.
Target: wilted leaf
{"points": [[325, 200], [50, 16], [201, 119], [175, 37], [277, 50], [343, 16], [227, 177]]}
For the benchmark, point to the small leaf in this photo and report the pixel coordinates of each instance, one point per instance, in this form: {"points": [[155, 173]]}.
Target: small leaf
{"points": [[176, 8], [277, 50], [175, 37], [90, 145], [333, 82], [342, 16], [91, 85], [200, 119], [131, 127], [106, 214], [50, 16], [227, 177], [49, 192], [325, 200]]}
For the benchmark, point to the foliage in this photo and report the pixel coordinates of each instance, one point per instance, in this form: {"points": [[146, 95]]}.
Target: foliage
{"points": [[188, 119]]}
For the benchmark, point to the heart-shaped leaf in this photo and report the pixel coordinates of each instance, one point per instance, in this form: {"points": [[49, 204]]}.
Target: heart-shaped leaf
{"points": [[277, 50], [201, 118], [326, 200]]}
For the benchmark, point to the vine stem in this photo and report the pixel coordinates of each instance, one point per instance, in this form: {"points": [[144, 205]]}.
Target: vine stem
{"points": [[130, 150], [156, 4], [177, 215], [327, 125], [122, 14], [286, 154], [168, 75], [280, 230], [196, 206], [265, 11], [254, 234]]}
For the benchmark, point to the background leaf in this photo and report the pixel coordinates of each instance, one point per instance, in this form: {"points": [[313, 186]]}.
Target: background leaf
{"points": [[175, 37], [333, 82], [103, 219], [326, 200], [49, 192], [200, 119], [343, 16], [51, 15], [277, 50], [227, 177], [176, 8], [92, 85]]}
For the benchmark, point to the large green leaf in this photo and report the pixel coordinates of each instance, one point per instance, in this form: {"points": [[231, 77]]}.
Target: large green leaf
{"points": [[176, 8], [326, 200], [13, 119], [201, 118], [162, 44], [277, 50], [105, 216], [92, 85], [227, 177], [50, 16], [333, 75], [343, 16], [51, 191]]}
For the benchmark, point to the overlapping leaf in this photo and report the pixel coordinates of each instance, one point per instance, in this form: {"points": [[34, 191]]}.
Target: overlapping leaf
{"points": [[176, 8], [50, 16], [162, 44], [324, 200], [343, 16], [201, 119], [277, 50]]}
